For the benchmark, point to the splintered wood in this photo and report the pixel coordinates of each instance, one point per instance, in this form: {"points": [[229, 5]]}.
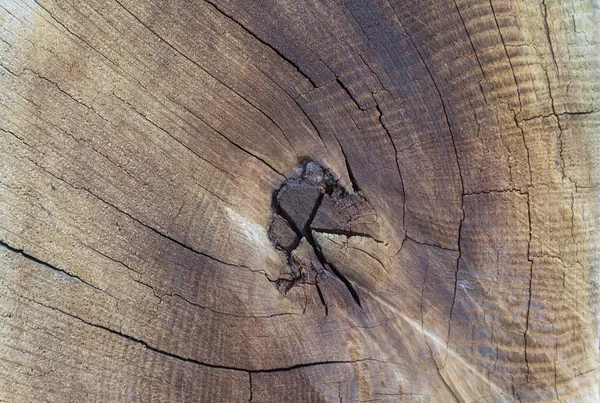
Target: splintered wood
{"points": [[299, 201]]}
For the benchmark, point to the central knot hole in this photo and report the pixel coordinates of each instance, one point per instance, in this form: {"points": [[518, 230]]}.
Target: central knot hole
{"points": [[309, 204]]}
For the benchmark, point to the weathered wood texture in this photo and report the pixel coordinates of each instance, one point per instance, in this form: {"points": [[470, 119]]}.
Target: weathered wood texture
{"points": [[142, 143]]}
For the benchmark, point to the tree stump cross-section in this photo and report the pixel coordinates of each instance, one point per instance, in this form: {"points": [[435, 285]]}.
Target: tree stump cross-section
{"points": [[299, 201]]}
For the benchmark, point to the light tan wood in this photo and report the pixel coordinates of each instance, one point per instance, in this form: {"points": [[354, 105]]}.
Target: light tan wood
{"points": [[451, 255]]}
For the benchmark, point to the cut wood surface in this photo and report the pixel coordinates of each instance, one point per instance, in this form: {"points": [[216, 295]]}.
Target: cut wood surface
{"points": [[299, 201]]}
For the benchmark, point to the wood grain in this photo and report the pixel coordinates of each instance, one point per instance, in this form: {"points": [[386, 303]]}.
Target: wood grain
{"points": [[143, 145]]}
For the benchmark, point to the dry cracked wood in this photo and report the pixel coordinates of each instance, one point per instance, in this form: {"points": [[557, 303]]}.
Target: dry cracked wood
{"points": [[164, 237]]}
